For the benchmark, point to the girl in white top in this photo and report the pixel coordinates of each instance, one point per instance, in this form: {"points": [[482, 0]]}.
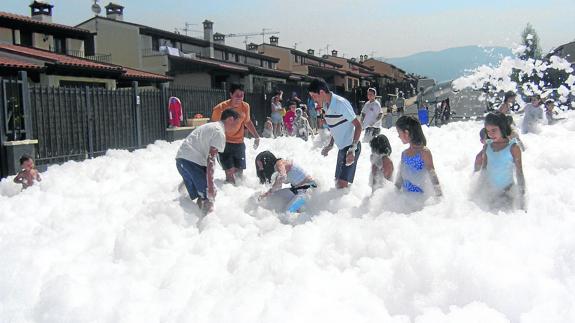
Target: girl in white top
{"points": [[279, 171]]}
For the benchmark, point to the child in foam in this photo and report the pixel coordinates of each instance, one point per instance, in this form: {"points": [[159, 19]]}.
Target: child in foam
{"points": [[268, 129], [479, 157], [176, 115], [416, 173], [279, 171], [301, 127], [289, 118], [501, 158], [29, 174], [381, 164]]}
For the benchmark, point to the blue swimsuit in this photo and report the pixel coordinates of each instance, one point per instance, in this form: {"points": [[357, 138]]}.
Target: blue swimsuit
{"points": [[412, 173], [500, 166]]}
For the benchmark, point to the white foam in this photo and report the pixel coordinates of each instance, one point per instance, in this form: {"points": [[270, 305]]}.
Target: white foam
{"points": [[112, 240]]}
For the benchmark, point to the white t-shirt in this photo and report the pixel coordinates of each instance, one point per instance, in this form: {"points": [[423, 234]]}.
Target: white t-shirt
{"points": [[196, 146], [371, 111]]}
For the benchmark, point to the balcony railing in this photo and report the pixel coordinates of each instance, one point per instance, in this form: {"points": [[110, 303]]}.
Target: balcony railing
{"points": [[102, 58]]}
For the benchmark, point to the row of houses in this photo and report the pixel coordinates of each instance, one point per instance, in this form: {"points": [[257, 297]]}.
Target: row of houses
{"points": [[110, 52]]}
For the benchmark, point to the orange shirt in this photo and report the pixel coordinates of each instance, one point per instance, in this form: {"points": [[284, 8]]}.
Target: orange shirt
{"points": [[235, 135]]}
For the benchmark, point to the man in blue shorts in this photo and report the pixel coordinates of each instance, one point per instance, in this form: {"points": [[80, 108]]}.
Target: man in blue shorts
{"points": [[196, 158], [345, 130]]}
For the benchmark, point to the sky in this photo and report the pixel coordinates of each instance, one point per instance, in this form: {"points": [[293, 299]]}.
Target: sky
{"points": [[381, 28]]}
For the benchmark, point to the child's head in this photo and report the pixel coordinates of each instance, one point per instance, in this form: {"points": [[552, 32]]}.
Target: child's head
{"points": [[380, 145], [536, 99], [292, 105], [497, 125], [509, 97], [371, 93], [26, 162], [268, 123], [483, 136], [409, 130], [265, 166], [549, 105]]}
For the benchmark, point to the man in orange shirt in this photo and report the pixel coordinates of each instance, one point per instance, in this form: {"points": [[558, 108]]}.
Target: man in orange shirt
{"points": [[233, 159]]}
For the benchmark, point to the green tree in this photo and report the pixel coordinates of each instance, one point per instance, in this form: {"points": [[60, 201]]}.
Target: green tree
{"points": [[530, 40]]}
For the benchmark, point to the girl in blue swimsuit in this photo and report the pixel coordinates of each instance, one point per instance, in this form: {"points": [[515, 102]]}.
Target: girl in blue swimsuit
{"points": [[416, 172], [279, 171], [501, 158]]}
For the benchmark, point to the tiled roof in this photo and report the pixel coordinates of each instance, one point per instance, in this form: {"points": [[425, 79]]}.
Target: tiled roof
{"points": [[58, 59], [131, 73], [71, 61], [15, 63], [29, 20]]}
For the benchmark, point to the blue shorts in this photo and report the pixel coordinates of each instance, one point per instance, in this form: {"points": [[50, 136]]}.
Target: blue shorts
{"points": [[194, 177], [234, 156], [346, 173], [276, 117]]}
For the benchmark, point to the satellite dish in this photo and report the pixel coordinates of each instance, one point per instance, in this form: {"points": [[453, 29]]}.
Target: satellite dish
{"points": [[96, 9]]}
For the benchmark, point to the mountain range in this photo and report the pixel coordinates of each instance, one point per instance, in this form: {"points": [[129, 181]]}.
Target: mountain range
{"points": [[450, 63]]}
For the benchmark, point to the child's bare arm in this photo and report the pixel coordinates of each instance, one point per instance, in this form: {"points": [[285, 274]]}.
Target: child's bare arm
{"points": [[478, 162], [387, 168], [398, 178], [516, 153], [428, 159], [19, 179]]}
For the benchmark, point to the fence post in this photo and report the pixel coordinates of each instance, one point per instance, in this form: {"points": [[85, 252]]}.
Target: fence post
{"points": [[90, 121], [138, 112], [164, 104], [26, 110]]}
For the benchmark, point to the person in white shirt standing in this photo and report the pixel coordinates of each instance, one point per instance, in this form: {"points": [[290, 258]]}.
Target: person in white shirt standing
{"points": [[197, 155], [371, 115]]}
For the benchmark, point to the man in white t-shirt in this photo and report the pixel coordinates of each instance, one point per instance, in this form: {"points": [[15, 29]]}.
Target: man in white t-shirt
{"points": [[345, 130], [371, 115], [196, 158]]}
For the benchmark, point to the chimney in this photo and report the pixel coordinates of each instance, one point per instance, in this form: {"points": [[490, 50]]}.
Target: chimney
{"points": [[252, 47], [334, 53], [115, 11], [274, 40], [209, 36], [361, 58], [41, 11], [365, 57], [310, 51], [219, 38]]}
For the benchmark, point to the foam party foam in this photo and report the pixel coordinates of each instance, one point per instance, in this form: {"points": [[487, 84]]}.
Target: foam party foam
{"points": [[111, 239]]}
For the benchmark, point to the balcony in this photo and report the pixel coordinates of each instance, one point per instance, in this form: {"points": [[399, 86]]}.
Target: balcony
{"points": [[163, 50], [101, 58]]}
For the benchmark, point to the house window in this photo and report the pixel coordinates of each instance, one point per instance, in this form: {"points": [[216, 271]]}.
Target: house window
{"points": [[296, 59], [155, 43], [25, 38], [60, 45], [227, 56], [349, 84], [237, 58]]}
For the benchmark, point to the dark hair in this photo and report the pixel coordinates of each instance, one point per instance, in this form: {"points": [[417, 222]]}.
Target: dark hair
{"points": [[483, 134], [292, 102], [380, 145], [317, 85], [508, 95], [413, 126], [499, 120], [25, 158], [229, 113], [510, 120], [235, 86], [276, 92], [268, 161]]}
